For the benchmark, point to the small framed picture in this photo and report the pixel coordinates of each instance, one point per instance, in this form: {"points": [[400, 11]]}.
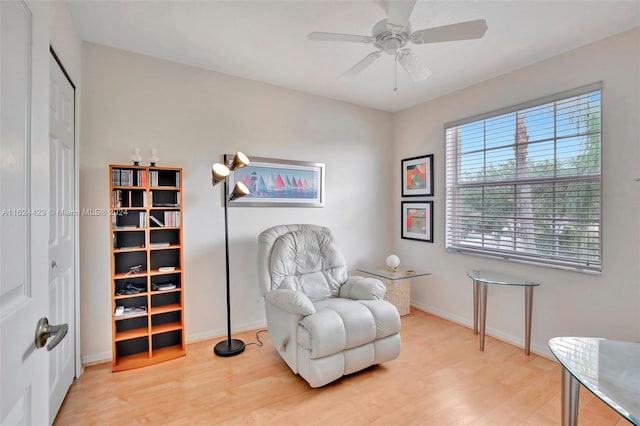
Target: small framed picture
{"points": [[417, 221], [417, 176]]}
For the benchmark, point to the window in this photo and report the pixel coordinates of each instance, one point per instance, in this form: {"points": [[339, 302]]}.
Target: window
{"points": [[524, 183]]}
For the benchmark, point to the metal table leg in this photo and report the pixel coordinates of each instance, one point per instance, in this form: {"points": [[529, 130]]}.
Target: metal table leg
{"points": [[528, 302], [483, 312], [475, 307], [570, 397]]}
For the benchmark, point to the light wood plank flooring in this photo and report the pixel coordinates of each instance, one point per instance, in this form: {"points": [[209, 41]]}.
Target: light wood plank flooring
{"points": [[440, 378]]}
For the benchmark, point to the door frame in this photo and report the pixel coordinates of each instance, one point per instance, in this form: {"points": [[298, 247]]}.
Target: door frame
{"points": [[78, 367]]}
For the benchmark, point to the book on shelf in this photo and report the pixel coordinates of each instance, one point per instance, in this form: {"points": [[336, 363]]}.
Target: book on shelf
{"points": [[159, 244], [130, 247], [123, 311], [126, 177], [141, 178], [172, 218], [156, 220], [125, 227], [153, 178]]}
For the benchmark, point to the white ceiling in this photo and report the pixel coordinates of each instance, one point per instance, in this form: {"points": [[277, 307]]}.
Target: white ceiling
{"points": [[266, 40]]}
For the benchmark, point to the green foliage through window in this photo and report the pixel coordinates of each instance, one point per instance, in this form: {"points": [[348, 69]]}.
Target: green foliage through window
{"points": [[525, 184]]}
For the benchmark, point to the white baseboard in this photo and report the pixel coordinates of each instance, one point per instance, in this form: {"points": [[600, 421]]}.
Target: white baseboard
{"points": [[99, 358], [96, 358], [221, 332], [518, 341]]}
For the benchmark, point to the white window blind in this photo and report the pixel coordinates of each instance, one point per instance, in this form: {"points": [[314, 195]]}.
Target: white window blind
{"points": [[524, 183]]}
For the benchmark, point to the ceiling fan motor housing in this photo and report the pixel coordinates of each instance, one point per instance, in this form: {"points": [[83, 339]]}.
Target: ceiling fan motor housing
{"points": [[387, 41]]}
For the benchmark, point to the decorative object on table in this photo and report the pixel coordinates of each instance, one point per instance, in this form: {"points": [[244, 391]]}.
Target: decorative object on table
{"points": [[393, 262], [136, 156], [153, 158], [219, 173], [280, 183], [417, 220], [417, 176]]}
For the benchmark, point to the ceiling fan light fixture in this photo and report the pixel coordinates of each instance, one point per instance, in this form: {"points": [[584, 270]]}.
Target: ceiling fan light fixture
{"points": [[391, 45]]}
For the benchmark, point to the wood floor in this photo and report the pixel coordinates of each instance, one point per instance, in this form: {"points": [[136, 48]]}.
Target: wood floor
{"points": [[440, 378]]}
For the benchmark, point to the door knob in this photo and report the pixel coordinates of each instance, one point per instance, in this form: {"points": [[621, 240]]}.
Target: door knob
{"points": [[44, 331], [54, 264]]}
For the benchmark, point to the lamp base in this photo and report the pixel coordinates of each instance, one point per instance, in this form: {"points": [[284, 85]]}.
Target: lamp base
{"points": [[226, 348]]}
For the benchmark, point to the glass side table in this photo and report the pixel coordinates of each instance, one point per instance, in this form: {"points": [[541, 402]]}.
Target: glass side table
{"points": [[609, 369], [398, 285], [481, 280]]}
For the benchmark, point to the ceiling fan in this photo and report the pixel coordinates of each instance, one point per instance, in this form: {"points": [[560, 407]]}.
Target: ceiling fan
{"points": [[392, 34]]}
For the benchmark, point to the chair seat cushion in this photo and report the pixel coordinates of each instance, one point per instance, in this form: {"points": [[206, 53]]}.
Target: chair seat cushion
{"points": [[340, 324]]}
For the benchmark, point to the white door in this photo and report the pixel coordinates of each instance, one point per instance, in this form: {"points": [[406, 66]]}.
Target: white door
{"points": [[61, 232], [24, 202]]}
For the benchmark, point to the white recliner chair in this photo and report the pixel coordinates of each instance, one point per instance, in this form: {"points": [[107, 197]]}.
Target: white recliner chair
{"points": [[323, 323]]}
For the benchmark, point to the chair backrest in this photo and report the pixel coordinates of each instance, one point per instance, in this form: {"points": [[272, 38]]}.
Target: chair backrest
{"points": [[302, 258]]}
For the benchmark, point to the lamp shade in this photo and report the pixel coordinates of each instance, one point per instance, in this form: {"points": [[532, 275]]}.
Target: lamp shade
{"points": [[240, 190], [218, 173], [393, 262], [239, 160]]}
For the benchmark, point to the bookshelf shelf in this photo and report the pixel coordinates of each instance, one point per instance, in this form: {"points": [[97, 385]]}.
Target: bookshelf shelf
{"points": [[128, 296], [169, 247], [141, 196], [157, 272], [165, 328], [166, 308]]}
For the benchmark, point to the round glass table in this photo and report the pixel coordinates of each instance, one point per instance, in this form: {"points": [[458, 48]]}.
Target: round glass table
{"points": [[610, 369]]}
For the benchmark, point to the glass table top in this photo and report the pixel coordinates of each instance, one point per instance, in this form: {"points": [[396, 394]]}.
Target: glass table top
{"points": [[400, 275], [610, 369], [499, 278]]}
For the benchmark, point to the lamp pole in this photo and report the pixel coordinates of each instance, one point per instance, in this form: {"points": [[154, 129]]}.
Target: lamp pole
{"points": [[229, 347]]}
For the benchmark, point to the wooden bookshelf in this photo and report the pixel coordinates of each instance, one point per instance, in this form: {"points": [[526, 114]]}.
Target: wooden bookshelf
{"points": [[146, 232]]}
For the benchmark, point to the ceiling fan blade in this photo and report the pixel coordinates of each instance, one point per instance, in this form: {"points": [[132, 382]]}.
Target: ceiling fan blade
{"points": [[360, 66], [339, 37], [413, 65], [398, 12], [461, 31]]}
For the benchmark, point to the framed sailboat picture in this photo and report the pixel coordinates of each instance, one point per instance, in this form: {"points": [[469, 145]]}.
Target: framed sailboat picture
{"points": [[278, 183]]}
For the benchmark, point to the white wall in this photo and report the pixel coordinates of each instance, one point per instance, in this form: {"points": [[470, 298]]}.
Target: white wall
{"points": [[65, 40], [193, 116], [567, 303]]}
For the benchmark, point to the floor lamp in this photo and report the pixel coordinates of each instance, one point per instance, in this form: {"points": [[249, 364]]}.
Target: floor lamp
{"points": [[219, 172]]}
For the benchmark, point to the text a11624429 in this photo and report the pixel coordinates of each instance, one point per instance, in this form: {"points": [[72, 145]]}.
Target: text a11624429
{"points": [[63, 212]]}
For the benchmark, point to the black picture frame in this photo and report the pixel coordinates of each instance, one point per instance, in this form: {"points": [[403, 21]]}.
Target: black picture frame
{"points": [[417, 221], [417, 176]]}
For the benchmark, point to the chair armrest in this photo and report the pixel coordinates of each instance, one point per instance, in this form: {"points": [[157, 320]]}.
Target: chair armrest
{"points": [[360, 288], [294, 302]]}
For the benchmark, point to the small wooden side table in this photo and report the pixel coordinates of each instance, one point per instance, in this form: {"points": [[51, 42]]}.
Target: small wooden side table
{"points": [[398, 285]]}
